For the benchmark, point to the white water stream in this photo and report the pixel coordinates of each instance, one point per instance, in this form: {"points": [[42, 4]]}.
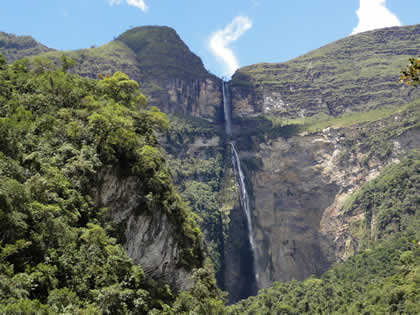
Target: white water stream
{"points": [[240, 177]]}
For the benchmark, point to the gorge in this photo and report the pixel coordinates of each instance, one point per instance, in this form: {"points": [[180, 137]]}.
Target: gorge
{"points": [[280, 165]]}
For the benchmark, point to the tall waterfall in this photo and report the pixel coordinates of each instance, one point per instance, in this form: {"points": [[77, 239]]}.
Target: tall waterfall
{"points": [[226, 108], [240, 177]]}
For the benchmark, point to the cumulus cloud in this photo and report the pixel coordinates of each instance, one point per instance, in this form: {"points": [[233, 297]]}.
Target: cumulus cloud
{"points": [[135, 3], [374, 14], [220, 40]]}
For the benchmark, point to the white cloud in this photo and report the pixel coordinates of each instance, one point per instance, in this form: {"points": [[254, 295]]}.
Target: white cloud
{"points": [[373, 14], [220, 40], [135, 3], [138, 4]]}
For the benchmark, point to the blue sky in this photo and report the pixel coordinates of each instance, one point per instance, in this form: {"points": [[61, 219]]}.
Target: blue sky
{"points": [[225, 34]]}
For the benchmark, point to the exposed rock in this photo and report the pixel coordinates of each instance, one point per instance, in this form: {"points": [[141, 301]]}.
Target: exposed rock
{"points": [[150, 239], [193, 98], [337, 224], [300, 188], [171, 75]]}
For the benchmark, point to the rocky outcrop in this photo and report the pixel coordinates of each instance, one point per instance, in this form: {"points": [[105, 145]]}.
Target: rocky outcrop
{"points": [[171, 75], [150, 239], [337, 224], [197, 98]]}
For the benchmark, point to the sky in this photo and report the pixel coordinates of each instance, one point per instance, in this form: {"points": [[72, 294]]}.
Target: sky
{"points": [[226, 34]]}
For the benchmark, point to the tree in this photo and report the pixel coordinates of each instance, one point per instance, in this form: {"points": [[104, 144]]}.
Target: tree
{"points": [[411, 75], [66, 63]]}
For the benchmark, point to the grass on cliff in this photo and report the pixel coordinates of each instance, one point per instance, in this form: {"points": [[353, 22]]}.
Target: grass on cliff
{"points": [[107, 59], [321, 121], [159, 50]]}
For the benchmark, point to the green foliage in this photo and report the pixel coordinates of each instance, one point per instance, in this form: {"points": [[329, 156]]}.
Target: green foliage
{"points": [[203, 298], [196, 162], [57, 131], [411, 75], [14, 47], [381, 280], [119, 87], [391, 201], [66, 63]]}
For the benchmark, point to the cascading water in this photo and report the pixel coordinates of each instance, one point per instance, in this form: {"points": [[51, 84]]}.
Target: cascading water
{"points": [[226, 108], [243, 194]]}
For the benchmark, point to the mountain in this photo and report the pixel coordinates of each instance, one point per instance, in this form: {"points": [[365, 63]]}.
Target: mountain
{"points": [[327, 144], [14, 47], [357, 73], [169, 74], [90, 220]]}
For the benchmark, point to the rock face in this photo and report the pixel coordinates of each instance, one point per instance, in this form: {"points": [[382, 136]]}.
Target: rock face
{"points": [[300, 173], [171, 75], [299, 191], [151, 240]]}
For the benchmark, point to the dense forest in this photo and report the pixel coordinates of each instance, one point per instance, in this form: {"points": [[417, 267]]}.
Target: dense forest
{"points": [[60, 253]]}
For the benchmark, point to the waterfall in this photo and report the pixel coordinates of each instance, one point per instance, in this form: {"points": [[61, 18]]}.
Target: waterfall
{"points": [[226, 108], [240, 177]]}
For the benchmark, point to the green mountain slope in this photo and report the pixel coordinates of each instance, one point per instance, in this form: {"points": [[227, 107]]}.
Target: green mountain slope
{"points": [[14, 47], [310, 132], [169, 74], [357, 73]]}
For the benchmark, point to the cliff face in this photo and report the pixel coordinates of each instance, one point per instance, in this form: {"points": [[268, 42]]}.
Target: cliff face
{"points": [[310, 132], [300, 184], [151, 239], [173, 77], [175, 80]]}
